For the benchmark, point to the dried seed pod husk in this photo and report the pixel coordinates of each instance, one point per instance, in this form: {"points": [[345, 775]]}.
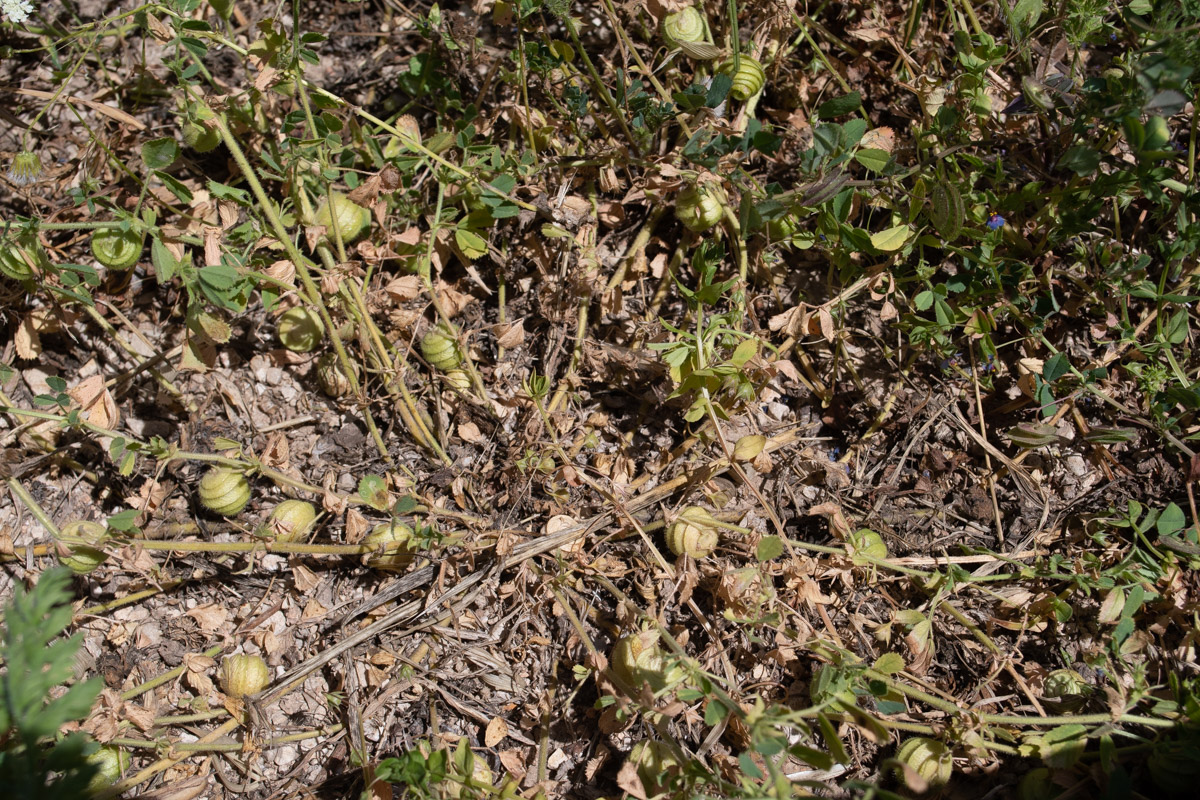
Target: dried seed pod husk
{"points": [[656, 763], [701, 206], [244, 674], [693, 533], [394, 541], [439, 348], [352, 220], [224, 491], [748, 79], [290, 521], [83, 541], [110, 763], [300, 329], [332, 378], [686, 25], [929, 758], [117, 249]]}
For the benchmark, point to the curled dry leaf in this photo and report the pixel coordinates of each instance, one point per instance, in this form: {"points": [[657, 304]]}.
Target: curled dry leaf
{"points": [[96, 402]]}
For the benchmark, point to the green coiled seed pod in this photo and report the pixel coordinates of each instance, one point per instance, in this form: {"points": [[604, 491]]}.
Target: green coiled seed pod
{"points": [[395, 542], [224, 491], [244, 674], [693, 533], [18, 259], [300, 329], [110, 762], [352, 220], [83, 540], [332, 378], [440, 349], [290, 521], [929, 758], [701, 206], [683, 26], [117, 249], [196, 134], [748, 78]]}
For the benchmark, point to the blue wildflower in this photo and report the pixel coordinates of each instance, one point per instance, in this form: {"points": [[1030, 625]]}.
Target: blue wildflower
{"points": [[995, 222]]}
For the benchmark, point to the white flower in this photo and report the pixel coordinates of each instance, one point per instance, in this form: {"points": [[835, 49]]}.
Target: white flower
{"points": [[17, 11]]}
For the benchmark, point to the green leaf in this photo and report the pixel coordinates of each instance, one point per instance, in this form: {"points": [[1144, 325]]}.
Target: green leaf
{"points": [[160, 153], [889, 663], [770, 548], [166, 266], [124, 520], [1055, 367], [472, 244], [222, 191], [891, 239], [1081, 160], [839, 106], [745, 351], [373, 491], [1171, 520], [873, 159]]}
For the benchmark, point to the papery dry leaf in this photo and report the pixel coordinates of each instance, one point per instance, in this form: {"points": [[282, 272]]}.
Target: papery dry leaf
{"points": [[514, 762], [496, 731], [629, 780], [469, 432], [788, 322], [283, 270], [26, 340], [277, 451], [96, 402], [313, 610], [210, 617], [356, 526], [304, 579], [509, 335], [404, 288]]}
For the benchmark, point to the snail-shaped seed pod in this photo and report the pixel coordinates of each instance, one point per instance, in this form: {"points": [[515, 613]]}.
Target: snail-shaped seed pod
{"points": [[19, 258], [300, 329], [636, 658], [683, 26], [117, 249], [224, 491], [83, 540], [748, 78], [196, 134], [929, 758], [656, 762], [693, 533], [243, 674], [110, 762], [290, 521], [457, 379], [440, 349], [701, 206], [332, 378], [395, 539], [352, 220]]}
